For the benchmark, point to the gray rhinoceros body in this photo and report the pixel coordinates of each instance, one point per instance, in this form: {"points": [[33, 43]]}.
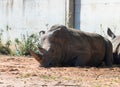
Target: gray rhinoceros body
{"points": [[62, 46], [116, 46]]}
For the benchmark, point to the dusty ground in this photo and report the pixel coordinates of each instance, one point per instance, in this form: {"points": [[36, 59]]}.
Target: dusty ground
{"points": [[25, 72]]}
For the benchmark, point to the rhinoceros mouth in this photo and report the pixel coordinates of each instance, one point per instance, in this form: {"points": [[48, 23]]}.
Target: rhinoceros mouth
{"points": [[42, 50]]}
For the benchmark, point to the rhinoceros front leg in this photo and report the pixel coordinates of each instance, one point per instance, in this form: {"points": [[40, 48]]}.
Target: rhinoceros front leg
{"points": [[81, 60]]}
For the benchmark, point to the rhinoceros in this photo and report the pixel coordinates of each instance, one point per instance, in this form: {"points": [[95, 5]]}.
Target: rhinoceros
{"points": [[116, 46], [62, 46]]}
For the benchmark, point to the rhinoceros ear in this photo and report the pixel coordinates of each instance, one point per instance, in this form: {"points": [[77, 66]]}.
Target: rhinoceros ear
{"points": [[41, 32], [42, 50], [38, 57], [110, 33]]}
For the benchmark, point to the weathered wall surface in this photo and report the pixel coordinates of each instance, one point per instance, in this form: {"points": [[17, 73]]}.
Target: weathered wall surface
{"points": [[97, 15], [30, 15], [35, 15]]}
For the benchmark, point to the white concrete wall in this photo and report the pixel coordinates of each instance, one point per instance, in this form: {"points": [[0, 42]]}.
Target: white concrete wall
{"points": [[30, 15], [35, 15], [97, 15]]}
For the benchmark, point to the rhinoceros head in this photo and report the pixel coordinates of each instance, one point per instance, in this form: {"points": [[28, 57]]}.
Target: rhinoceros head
{"points": [[51, 50]]}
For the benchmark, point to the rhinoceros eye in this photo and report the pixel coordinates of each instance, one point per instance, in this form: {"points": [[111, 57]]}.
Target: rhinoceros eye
{"points": [[44, 38]]}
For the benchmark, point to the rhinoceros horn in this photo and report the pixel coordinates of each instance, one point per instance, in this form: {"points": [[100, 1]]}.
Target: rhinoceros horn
{"points": [[38, 57]]}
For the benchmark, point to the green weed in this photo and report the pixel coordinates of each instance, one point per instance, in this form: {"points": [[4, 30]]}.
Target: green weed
{"points": [[22, 45]]}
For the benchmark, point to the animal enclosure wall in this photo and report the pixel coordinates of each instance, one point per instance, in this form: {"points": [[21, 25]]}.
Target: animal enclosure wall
{"points": [[35, 15], [97, 15], [30, 15]]}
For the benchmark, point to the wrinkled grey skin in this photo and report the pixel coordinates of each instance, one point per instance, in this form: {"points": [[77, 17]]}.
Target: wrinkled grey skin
{"points": [[62, 46], [116, 46]]}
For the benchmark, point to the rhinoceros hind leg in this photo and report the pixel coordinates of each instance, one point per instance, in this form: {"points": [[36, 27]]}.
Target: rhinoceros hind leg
{"points": [[108, 54], [116, 55]]}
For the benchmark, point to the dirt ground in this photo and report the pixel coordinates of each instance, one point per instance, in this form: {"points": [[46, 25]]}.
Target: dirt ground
{"points": [[25, 72]]}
